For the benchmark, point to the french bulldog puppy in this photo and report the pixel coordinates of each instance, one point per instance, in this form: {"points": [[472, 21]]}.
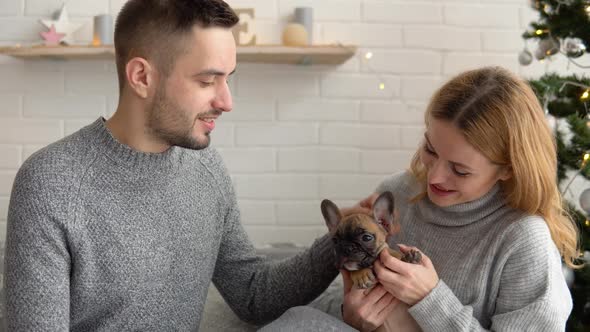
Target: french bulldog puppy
{"points": [[359, 238], [358, 241]]}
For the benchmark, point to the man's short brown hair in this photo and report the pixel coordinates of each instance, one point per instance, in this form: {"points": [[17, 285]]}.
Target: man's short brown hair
{"points": [[155, 29]]}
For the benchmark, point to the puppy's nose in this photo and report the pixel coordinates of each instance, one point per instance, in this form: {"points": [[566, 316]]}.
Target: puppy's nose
{"points": [[346, 250]]}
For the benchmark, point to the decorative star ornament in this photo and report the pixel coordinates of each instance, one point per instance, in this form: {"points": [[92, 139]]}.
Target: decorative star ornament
{"points": [[63, 25], [52, 37]]}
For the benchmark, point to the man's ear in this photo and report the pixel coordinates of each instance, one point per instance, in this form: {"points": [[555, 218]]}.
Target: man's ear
{"points": [[331, 214], [383, 209], [140, 76]]}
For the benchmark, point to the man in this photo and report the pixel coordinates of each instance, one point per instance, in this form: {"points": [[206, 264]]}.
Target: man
{"points": [[124, 224]]}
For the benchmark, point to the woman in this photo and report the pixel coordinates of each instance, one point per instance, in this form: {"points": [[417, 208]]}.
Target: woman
{"points": [[481, 203]]}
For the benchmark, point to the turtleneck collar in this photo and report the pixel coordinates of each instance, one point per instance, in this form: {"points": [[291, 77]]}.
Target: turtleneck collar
{"points": [[125, 156], [465, 213]]}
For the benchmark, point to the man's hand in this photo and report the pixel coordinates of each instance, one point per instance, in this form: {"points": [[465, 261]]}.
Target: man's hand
{"points": [[366, 309]]}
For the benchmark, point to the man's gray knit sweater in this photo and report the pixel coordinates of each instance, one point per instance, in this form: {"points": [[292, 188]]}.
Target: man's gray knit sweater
{"points": [[499, 269], [104, 238]]}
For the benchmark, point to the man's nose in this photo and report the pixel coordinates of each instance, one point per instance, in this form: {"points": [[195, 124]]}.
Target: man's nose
{"points": [[223, 99]]}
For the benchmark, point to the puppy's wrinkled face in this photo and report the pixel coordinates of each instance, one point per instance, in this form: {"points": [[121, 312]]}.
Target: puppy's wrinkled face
{"points": [[357, 242], [359, 238]]}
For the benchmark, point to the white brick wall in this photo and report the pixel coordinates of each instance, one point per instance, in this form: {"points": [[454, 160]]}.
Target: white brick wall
{"points": [[11, 105], [402, 12], [318, 160], [3, 209], [6, 180], [277, 186], [297, 134], [10, 156], [11, 8], [75, 7]]}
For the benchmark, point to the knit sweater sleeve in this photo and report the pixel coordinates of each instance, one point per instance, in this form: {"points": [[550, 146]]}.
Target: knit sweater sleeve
{"points": [[37, 261], [258, 290], [532, 294]]}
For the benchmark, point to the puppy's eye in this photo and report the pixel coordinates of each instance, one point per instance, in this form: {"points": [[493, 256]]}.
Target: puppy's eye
{"points": [[367, 237]]}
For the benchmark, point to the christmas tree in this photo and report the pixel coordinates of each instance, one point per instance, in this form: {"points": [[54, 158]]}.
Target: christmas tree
{"points": [[563, 29]]}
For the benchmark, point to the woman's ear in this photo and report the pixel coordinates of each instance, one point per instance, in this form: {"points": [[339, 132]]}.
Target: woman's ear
{"points": [[139, 74], [505, 173]]}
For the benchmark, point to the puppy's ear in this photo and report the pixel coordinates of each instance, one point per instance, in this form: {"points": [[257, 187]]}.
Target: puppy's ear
{"points": [[383, 209], [331, 214]]}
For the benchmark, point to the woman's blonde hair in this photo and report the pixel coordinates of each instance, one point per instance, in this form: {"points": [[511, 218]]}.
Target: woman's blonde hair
{"points": [[499, 114]]}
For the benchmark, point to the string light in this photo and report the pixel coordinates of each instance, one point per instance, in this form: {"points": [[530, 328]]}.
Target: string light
{"points": [[585, 95], [587, 223], [539, 32], [548, 9], [368, 57], [585, 159]]}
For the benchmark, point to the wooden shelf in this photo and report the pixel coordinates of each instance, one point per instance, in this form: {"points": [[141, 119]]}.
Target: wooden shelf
{"points": [[328, 55], [321, 54]]}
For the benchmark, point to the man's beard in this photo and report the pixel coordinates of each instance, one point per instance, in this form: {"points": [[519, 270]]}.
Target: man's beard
{"points": [[172, 125]]}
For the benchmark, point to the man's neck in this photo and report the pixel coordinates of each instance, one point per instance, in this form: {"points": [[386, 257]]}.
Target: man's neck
{"points": [[128, 126]]}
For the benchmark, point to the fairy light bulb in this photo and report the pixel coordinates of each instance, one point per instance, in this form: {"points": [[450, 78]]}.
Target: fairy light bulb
{"points": [[585, 160], [585, 95], [539, 32], [547, 8], [368, 55], [381, 86]]}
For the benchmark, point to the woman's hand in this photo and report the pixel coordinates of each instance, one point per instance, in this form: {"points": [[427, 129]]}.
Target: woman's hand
{"points": [[365, 206], [366, 309], [410, 283]]}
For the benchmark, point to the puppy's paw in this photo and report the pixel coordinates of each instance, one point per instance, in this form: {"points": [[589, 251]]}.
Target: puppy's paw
{"points": [[412, 256], [363, 278]]}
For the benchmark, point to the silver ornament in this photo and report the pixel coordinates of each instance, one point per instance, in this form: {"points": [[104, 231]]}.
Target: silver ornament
{"points": [[549, 46], [551, 121], [568, 274], [539, 54], [573, 47], [585, 201], [525, 57]]}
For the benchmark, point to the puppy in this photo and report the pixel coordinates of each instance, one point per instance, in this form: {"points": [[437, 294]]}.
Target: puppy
{"points": [[358, 241], [359, 238]]}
